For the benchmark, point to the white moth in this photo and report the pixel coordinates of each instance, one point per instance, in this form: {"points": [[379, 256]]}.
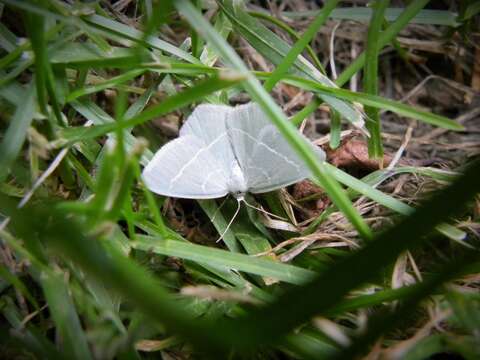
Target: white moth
{"points": [[222, 150]]}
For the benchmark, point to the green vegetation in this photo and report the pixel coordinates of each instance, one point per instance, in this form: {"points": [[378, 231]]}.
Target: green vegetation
{"points": [[381, 258]]}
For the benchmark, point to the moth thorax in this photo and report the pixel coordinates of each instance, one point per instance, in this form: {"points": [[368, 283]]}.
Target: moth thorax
{"points": [[237, 182]]}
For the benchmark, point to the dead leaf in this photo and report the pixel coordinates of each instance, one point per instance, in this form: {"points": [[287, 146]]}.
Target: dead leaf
{"points": [[306, 188], [354, 154]]}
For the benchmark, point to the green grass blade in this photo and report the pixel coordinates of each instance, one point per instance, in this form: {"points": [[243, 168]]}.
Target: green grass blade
{"points": [[428, 347], [293, 34], [113, 82], [335, 129], [111, 26], [152, 205], [94, 113], [370, 300], [471, 10], [224, 28], [31, 339], [377, 102], [385, 321], [364, 14], [45, 80], [226, 275], [65, 316], [216, 217], [186, 97], [17, 131], [305, 112], [35, 25], [8, 40], [389, 202], [370, 78], [14, 280], [225, 259], [298, 47], [388, 35], [87, 55], [142, 101]]}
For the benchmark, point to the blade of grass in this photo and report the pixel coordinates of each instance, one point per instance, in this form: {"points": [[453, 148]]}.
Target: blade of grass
{"points": [[305, 112], [226, 276], [389, 202], [65, 315], [140, 104], [364, 14], [293, 34], [335, 129], [216, 217], [471, 10], [15, 281], [28, 337], [428, 347], [370, 100], [87, 55], [196, 40], [307, 344], [111, 26], [13, 92], [26, 62], [224, 259], [387, 35], [114, 81], [224, 28], [377, 102], [186, 97], [383, 322], [95, 114], [35, 25], [156, 215], [371, 300], [17, 131], [246, 228], [106, 25], [45, 80], [370, 78], [366, 186], [298, 47], [8, 40]]}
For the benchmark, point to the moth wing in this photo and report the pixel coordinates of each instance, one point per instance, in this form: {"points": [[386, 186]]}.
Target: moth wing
{"points": [[265, 157], [186, 168], [208, 123]]}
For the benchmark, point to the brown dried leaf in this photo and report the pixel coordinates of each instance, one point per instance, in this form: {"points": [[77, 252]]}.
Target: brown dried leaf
{"points": [[306, 188], [354, 154]]}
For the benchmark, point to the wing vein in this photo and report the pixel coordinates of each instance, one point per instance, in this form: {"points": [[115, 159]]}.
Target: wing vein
{"points": [[208, 179], [193, 159], [287, 160]]}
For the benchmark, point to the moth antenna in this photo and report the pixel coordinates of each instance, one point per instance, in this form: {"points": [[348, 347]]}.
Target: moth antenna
{"points": [[231, 221], [263, 211], [218, 209]]}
